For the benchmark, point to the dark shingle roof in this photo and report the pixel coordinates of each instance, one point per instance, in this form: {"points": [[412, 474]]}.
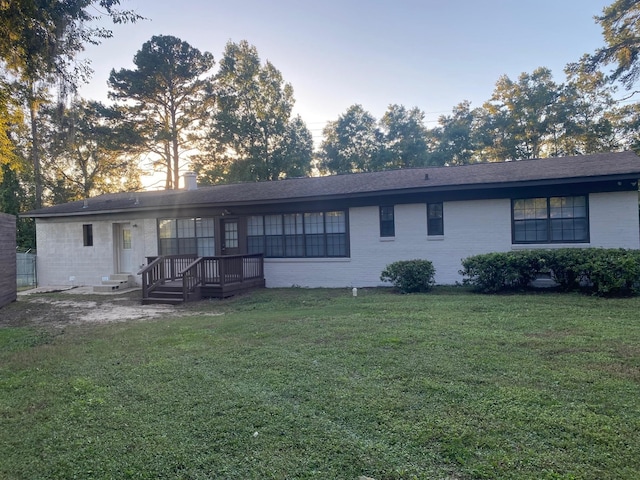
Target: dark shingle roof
{"points": [[605, 166]]}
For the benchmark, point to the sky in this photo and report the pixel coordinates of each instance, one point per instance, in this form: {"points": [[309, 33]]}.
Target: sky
{"points": [[430, 54]]}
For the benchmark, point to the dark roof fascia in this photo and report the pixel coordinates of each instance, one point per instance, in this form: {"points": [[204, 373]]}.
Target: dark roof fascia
{"points": [[476, 187]]}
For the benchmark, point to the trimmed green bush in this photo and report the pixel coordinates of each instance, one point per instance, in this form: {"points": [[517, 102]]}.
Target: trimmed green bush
{"points": [[410, 276], [497, 272], [599, 271]]}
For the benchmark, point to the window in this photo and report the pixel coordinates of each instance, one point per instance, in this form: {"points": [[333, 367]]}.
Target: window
{"points": [[87, 235], [550, 220], [205, 237], [435, 219], [186, 236], [126, 239], [312, 234], [387, 222], [231, 234]]}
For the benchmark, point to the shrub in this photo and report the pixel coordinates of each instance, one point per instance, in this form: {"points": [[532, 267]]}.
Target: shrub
{"points": [[497, 272], [603, 272], [410, 276]]}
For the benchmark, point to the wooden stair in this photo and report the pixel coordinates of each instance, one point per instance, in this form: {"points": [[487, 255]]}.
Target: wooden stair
{"points": [[168, 294], [210, 277]]}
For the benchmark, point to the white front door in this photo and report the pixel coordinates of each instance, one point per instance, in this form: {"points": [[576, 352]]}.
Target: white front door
{"points": [[122, 233]]}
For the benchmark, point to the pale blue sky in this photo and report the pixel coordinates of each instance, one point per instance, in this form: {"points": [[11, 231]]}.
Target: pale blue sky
{"points": [[431, 54]]}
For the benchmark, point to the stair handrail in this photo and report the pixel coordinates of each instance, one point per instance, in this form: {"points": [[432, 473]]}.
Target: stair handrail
{"points": [[192, 276], [149, 280]]}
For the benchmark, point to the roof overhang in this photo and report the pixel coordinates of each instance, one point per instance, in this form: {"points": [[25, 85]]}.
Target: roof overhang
{"points": [[615, 182]]}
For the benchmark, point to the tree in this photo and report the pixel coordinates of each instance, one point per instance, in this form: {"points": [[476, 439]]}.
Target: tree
{"points": [[252, 136], [620, 23], [10, 116], [590, 121], [13, 200], [405, 137], [168, 93], [521, 117], [38, 46], [89, 148], [454, 139], [353, 143]]}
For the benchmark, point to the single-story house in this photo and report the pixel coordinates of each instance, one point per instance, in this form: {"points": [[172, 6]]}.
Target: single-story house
{"points": [[8, 272], [342, 230]]}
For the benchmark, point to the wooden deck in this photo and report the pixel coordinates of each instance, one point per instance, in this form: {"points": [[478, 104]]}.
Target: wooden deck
{"points": [[175, 279]]}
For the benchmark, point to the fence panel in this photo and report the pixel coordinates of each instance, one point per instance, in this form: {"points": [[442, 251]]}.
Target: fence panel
{"points": [[26, 266]]}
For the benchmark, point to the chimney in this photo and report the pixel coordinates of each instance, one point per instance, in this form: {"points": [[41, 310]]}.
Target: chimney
{"points": [[190, 181]]}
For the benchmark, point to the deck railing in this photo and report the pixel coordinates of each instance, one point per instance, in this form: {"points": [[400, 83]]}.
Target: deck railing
{"points": [[194, 271], [192, 277]]}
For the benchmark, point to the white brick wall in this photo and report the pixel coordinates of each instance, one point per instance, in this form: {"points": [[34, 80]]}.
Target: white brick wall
{"points": [[613, 219], [470, 228], [63, 260]]}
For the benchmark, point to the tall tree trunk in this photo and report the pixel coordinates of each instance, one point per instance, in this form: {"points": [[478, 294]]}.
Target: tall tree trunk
{"points": [[35, 146], [176, 158], [167, 153]]}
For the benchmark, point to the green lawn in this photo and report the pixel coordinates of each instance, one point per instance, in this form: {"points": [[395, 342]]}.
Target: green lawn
{"points": [[297, 384]]}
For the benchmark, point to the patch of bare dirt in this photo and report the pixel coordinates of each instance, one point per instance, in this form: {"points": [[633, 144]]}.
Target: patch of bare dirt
{"points": [[56, 311]]}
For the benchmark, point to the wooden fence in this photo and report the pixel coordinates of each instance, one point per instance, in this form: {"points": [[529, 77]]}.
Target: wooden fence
{"points": [[8, 272]]}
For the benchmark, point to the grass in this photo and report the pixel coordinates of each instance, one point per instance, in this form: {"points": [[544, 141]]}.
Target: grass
{"points": [[303, 384]]}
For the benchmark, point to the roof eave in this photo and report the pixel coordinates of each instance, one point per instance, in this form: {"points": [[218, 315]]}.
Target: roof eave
{"points": [[377, 193]]}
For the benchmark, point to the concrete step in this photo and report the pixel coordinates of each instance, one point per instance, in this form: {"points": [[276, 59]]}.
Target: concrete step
{"points": [[119, 277], [116, 281], [105, 288]]}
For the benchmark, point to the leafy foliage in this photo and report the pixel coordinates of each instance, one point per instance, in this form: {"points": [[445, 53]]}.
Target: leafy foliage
{"points": [[405, 137], [353, 143], [620, 23], [252, 135], [357, 142], [602, 272], [41, 39], [13, 200], [90, 151], [455, 140], [38, 47], [410, 276], [521, 116], [169, 98]]}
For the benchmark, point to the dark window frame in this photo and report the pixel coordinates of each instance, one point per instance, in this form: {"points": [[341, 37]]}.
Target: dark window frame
{"points": [[435, 223], [548, 226], [387, 218], [177, 243], [308, 243], [87, 235]]}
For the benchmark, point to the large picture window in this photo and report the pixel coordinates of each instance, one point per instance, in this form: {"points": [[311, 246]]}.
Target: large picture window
{"points": [[550, 220], [187, 236], [313, 234]]}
